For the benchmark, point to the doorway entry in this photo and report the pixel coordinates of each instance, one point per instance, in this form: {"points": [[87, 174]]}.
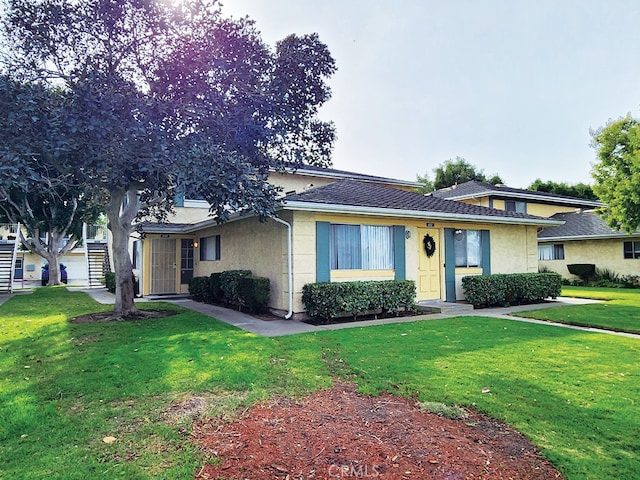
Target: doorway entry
{"points": [[163, 266], [429, 266]]}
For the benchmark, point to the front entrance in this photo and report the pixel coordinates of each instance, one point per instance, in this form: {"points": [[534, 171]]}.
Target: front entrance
{"points": [[429, 267], [163, 266]]}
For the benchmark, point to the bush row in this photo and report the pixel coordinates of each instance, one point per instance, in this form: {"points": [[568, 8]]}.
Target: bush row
{"points": [[328, 301], [507, 289], [232, 287]]}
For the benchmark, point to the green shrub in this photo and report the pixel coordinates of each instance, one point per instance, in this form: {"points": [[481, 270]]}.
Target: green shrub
{"points": [[630, 281], [507, 289], [199, 288], [254, 293], [229, 286], [329, 301], [215, 292], [110, 281]]}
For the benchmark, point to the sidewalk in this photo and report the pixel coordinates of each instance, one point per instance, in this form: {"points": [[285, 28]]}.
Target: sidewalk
{"points": [[277, 328]]}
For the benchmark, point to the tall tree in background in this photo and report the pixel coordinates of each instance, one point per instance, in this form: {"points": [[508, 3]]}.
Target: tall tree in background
{"points": [[454, 172], [168, 97], [617, 174], [33, 138], [578, 190]]}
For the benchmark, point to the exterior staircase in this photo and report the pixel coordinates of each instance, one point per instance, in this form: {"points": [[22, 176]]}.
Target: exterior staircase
{"points": [[97, 263], [7, 260]]}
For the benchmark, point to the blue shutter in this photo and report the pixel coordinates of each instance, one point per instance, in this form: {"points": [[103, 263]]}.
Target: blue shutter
{"points": [[449, 265], [323, 261], [399, 252], [486, 252]]}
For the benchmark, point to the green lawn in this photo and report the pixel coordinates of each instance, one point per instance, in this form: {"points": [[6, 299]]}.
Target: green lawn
{"points": [[623, 317], [65, 387]]}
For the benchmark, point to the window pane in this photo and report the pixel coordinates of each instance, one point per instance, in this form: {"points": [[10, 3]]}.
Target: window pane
{"points": [[628, 249], [345, 249], [460, 247], [210, 248], [558, 252], [545, 252], [474, 250], [377, 247]]}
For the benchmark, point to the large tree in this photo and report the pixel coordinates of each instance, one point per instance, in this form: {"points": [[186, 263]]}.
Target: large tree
{"points": [[454, 172], [33, 136], [171, 96], [617, 174]]}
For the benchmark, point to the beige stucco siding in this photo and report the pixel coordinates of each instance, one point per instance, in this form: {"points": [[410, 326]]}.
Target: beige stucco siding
{"points": [[541, 210], [514, 249], [251, 245], [606, 253]]}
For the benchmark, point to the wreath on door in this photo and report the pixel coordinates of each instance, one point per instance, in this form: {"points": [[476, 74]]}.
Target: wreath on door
{"points": [[429, 245]]}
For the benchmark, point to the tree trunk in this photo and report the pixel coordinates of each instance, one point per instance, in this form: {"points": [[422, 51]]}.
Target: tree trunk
{"points": [[120, 223]]}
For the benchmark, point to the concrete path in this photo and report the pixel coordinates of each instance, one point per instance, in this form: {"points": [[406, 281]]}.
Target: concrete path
{"points": [[277, 328]]}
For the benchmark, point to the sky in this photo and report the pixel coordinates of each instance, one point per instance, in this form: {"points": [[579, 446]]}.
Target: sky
{"points": [[512, 86]]}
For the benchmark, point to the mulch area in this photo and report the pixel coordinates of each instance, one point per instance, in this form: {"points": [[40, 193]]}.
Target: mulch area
{"points": [[338, 433]]}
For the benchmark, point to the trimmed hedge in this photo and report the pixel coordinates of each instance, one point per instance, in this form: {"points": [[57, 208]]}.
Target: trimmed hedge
{"points": [[329, 301], [110, 281], [233, 287], [507, 289]]}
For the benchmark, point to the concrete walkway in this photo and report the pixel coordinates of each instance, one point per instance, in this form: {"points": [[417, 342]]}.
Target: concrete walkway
{"points": [[277, 328]]}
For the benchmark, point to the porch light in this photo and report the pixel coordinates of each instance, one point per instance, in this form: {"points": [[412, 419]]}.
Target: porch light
{"points": [[195, 244]]}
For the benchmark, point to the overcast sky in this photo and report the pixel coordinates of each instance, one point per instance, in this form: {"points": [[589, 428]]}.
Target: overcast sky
{"points": [[512, 86]]}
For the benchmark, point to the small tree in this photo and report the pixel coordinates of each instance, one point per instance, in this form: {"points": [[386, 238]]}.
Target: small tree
{"points": [[617, 174]]}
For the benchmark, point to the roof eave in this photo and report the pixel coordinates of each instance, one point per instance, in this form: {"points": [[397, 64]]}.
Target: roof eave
{"points": [[567, 238], [418, 214], [352, 176]]}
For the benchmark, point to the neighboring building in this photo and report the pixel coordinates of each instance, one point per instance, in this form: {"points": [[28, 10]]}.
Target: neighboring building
{"points": [[582, 236], [341, 226], [585, 238]]}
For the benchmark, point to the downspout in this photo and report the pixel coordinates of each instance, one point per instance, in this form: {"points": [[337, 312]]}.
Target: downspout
{"points": [[289, 265]]}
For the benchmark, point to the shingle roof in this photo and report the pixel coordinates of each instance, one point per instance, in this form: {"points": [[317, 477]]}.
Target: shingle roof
{"points": [[579, 225], [473, 188], [360, 194]]}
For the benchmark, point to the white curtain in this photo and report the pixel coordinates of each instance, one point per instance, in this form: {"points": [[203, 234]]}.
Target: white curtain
{"points": [[377, 247]]}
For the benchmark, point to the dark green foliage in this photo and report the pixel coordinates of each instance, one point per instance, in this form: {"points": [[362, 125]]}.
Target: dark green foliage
{"points": [[229, 281], [333, 300], [506, 289], [254, 293], [199, 288], [110, 281], [579, 190], [583, 270], [215, 292]]}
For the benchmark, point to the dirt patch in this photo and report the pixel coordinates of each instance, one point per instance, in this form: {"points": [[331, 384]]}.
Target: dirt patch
{"points": [[108, 316], [338, 433]]}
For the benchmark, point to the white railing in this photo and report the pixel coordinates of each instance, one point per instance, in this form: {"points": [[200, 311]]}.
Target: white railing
{"points": [[96, 232]]}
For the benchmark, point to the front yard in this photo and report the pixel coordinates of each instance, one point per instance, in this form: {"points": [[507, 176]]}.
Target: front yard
{"points": [[99, 400]]}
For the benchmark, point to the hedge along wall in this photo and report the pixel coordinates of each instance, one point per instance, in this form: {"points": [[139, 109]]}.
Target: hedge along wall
{"points": [[507, 289], [328, 301]]}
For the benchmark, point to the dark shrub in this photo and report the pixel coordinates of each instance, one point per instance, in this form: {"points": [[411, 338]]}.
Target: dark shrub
{"points": [[199, 288], [215, 292], [254, 293], [583, 270], [110, 281], [229, 285]]}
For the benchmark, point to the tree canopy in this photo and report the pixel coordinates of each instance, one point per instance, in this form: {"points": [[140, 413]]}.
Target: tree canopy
{"points": [[577, 190], [454, 172], [171, 96], [617, 174]]}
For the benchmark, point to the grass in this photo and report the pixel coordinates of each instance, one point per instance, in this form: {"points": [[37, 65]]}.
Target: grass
{"points": [[619, 310], [65, 387]]}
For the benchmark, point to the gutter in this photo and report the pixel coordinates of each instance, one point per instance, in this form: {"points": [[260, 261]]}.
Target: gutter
{"points": [[289, 264], [420, 214]]}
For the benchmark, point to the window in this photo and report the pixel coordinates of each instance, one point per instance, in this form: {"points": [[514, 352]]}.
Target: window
{"points": [[361, 247], [515, 206], [631, 249], [551, 252], [210, 248], [468, 248]]}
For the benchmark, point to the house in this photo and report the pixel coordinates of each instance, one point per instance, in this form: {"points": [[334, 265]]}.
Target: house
{"points": [[585, 238], [340, 226], [581, 237]]}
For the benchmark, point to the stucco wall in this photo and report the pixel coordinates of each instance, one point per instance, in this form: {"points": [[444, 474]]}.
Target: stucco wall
{"points": [[249, 244], [514, 249], [603, 253]]}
